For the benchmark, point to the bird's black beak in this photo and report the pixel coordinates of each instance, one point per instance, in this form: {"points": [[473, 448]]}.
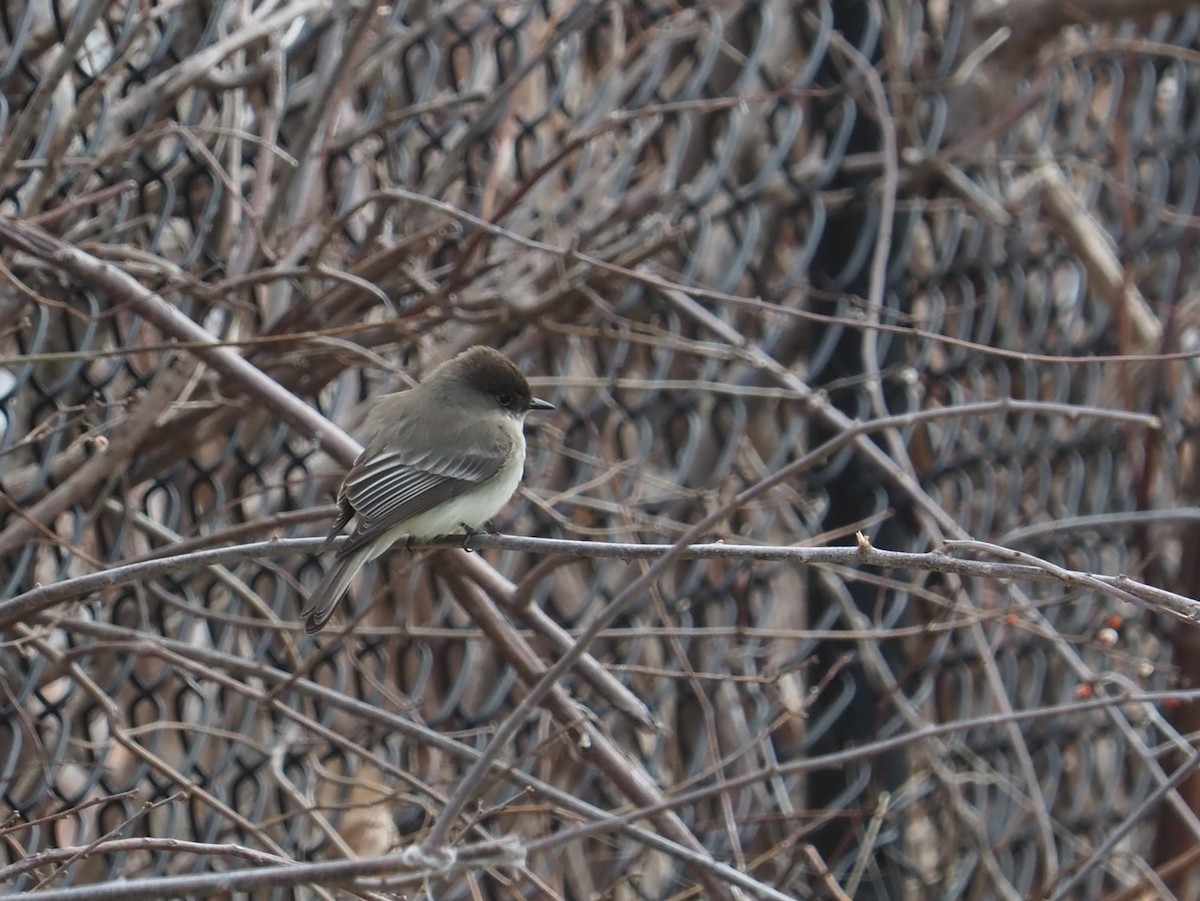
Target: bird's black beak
{"points": [[538, 404]]}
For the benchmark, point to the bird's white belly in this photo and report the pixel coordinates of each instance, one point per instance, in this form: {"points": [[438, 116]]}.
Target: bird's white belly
{"points": [[472, 509]]}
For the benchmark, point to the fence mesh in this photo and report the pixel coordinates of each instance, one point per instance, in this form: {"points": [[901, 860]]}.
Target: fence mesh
{"points": [[716, 236]]}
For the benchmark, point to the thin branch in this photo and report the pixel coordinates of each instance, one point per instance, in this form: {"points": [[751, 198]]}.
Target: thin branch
{"points": [[328, 698], [1119, 586], [33, 522], [470, 783], [1034, 23], [411, 861], [838, 760], [124, 288], [60, 856]]}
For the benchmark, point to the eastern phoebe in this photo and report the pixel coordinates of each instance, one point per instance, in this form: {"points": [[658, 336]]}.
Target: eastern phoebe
{"points": [[442, 457]]}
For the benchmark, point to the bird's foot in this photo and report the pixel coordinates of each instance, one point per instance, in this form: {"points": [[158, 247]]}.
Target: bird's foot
{"points": [[468, 534]]}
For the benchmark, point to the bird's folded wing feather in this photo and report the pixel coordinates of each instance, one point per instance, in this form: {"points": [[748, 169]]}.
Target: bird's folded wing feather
{"points": [[391, 487]]}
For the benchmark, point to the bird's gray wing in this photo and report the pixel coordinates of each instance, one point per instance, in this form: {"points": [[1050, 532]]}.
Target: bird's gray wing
{"points": [[392, 486]]}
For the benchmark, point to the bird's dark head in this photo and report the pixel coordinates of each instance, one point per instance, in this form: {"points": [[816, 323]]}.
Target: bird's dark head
{"points": [[493, 378]]}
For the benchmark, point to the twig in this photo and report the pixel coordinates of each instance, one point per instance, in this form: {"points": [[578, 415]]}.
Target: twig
{"points": [[853, 434], [838, 760], [248, 669], [591, 744], [109, 279], [60, 856], [1034, 23], [502, 852], [126, 441], [1123, 587], [33, 111]]}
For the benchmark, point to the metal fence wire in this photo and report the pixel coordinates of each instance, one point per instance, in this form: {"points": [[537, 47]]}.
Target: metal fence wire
{"points": [[716, 236]]}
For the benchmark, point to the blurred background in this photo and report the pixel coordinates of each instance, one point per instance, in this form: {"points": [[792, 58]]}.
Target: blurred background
{"points": [[715, 235]]}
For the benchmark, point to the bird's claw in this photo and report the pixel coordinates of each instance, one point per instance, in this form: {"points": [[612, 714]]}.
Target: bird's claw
{"points": [[468, 534]]}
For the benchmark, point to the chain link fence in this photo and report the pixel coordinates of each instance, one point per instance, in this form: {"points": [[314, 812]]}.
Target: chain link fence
{"points": [[717, 236]]}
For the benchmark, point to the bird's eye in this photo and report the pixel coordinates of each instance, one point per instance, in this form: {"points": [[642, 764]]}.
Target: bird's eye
{"points": [[506, 400]]}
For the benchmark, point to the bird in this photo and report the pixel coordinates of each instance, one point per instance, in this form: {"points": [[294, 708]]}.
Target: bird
{"points": [[441, 457]]}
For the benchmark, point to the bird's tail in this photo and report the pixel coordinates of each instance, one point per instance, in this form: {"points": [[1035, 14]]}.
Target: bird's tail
{"points": [[324, 600]]}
